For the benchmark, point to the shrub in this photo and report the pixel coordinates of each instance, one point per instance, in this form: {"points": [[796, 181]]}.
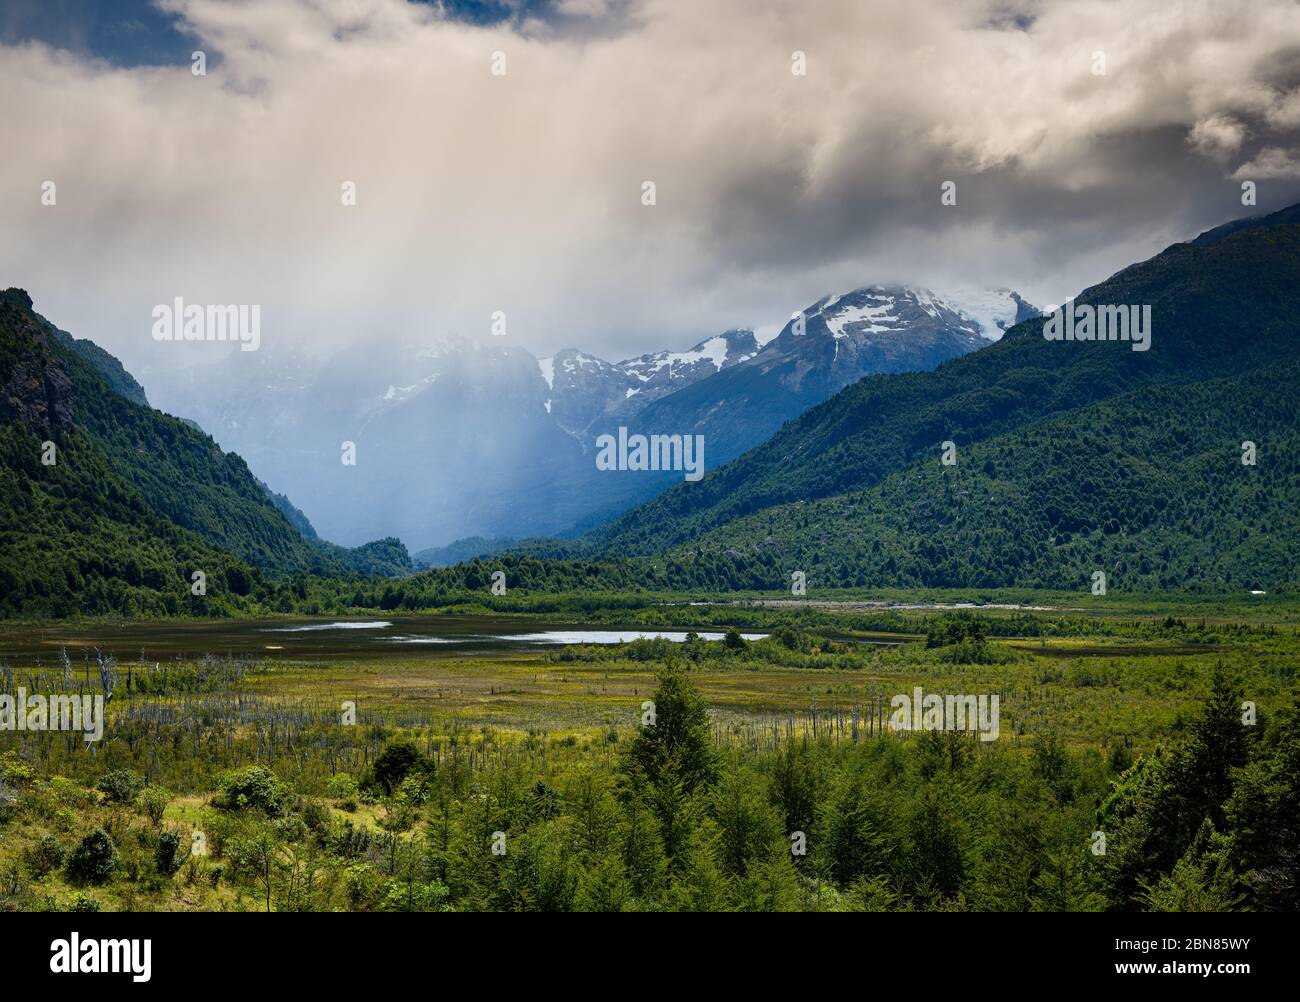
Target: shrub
{"points": [[363, 885], [342, 787], [734, 641], [396, 760], [94, 859], [15, 771], [255, 788], [8, 799], [121, 785], [315, 815], [154, 801], [168, 856], [289, 829], [45, 855]]}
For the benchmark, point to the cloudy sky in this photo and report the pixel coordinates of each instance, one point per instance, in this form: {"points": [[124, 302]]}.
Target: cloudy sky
{"points": [[522, 192]]}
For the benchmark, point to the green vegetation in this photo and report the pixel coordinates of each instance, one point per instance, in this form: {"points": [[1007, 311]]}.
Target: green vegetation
{"points": [[1072, 456], [1132, 727], [709, 775], [135, 501], [1155, 505]]}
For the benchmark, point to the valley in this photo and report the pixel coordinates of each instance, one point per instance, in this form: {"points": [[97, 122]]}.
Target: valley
{"points": [[372, 770], [923, 632]]}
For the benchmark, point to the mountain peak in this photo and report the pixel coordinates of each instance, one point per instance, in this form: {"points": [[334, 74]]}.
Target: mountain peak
{"points": [[880, 309], [1283, 217], [718, 352], [15, 295]]}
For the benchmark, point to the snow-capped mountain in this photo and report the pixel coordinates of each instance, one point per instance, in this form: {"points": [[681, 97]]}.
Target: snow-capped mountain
{"points": [[583, 389], [456, 437], [667, 371], [881, 310], [834, 342], [580, 388], [879, 329]]}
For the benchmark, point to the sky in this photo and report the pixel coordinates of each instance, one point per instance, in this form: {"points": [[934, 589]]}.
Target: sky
{"points": [[1080, 137]]}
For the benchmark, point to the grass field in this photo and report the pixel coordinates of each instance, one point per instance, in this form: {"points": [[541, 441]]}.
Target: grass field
{"points": [[1089, 693]]}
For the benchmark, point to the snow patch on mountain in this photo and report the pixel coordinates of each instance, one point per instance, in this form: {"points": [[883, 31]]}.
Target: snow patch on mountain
{"points": [[400, 393], [716, 351], [994, 310], [867, 314], [876, 309]]}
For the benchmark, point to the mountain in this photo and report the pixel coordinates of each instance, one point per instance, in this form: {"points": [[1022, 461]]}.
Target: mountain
{"points": [[451, 437], [121, 381], [458, 439], [1072, 455], [290, 511], [107, 505], [584, 390], [666, 372], [1289, 216], [827, 346], [461, 550]]}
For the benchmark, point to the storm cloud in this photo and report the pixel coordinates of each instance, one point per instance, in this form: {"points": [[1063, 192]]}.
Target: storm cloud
{"points": [[1081, 136]]}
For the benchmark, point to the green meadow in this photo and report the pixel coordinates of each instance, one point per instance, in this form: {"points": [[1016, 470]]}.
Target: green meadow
{"points": [[768, 775]]}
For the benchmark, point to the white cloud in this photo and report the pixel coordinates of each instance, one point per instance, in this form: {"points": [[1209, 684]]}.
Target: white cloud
{"points": [[1219, 136], [521, 193], [1272, 162], [585, 8]]}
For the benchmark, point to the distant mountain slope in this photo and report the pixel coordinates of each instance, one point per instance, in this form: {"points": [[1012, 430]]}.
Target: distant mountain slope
{"points": [[460, 438], [583, 390], [1220, 309], [290, 511], [1290, 216], [460, 551], [666, 372], [135, 500], [833, 343], [109, 367], [1147, 486]]}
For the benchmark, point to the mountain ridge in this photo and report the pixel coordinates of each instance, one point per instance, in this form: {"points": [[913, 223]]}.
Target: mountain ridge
{"points": [[110, 505], [514, 451], [884, 424]]}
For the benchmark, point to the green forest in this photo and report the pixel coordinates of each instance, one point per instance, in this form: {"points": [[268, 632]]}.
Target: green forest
{"points": [[287, 810], [1149, 746]]}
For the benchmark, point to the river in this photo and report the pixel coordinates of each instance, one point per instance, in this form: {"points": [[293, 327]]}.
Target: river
{"points": [[300, 639]]}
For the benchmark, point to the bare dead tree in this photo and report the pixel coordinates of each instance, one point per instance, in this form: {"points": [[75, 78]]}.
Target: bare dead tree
{"points": [[107, 674]]}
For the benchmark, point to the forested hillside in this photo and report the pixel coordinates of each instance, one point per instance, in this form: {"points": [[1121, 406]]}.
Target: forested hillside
{"points": [[1148, 487], [1071, 457], [127, 503], [1060, 444]]}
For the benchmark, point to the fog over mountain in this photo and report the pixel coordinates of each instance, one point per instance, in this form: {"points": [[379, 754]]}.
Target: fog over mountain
{"points": [[331, 166], [459, 437]]}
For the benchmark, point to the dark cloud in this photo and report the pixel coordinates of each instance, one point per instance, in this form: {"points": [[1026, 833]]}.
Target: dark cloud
{"points": [[522, 192]]}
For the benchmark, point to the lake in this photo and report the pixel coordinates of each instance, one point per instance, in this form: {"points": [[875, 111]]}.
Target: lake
{"points": [[307, 639]]}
